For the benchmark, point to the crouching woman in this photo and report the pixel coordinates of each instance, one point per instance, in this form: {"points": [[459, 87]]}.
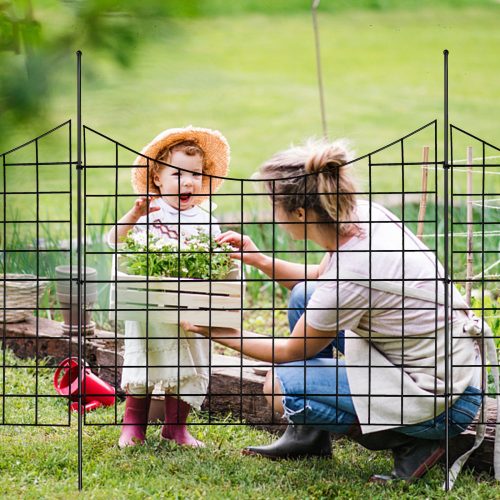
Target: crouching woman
{"points": [[384, 288]]}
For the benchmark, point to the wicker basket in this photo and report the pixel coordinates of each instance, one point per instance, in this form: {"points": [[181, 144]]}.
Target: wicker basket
{"points": [[21, 295]]}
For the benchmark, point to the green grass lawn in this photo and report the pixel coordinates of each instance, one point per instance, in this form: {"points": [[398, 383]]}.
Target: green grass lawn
{"points": [[42, 462], [254, 78]]}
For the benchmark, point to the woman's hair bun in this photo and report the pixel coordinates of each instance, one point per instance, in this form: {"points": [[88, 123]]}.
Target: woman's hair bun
{"points": [[327, 155], [332, 197]]}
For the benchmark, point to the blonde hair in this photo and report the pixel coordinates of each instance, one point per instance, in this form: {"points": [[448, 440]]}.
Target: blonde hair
{"points": [[190, 148], [314, 176]]}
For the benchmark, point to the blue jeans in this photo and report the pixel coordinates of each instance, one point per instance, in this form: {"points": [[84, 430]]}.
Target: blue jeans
{"points": [[299, 297], [316, 391]]}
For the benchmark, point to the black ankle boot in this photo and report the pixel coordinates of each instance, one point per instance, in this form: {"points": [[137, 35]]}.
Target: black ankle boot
{"points": [[412, 460], [296, 442], [381, 440], [413, 457]]}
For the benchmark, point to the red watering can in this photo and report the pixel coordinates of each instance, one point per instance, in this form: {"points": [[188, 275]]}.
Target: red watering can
{"points": [[95, 392]]}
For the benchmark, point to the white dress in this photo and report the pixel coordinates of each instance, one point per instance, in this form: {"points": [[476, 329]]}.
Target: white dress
{"points": [[162, 357]]}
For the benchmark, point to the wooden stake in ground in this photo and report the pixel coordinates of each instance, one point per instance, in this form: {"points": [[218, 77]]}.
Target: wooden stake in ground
{"points": [[470, 228], [423, 198]]}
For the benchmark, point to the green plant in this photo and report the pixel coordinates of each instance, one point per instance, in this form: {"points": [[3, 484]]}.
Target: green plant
{"points": [[489, 308], [198, 256], [485, 305]]}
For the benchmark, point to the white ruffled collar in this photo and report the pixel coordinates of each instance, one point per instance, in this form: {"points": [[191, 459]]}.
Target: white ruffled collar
{"points": [[190, 212]]}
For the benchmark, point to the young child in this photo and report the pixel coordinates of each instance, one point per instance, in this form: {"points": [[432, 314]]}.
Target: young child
{"points": [[169, 206]]}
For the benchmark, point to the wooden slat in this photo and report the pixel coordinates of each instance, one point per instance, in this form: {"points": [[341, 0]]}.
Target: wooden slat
{"points": [[229, 319], [137, 298], [174, 285]]}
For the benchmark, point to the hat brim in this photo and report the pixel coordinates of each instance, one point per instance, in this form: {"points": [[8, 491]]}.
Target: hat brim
{"points": [[215, 168]]}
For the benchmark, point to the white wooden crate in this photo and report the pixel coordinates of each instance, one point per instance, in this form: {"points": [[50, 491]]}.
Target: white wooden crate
{"points": [[168, 300]]}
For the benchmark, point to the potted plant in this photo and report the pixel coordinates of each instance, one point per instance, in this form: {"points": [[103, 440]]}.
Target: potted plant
{"points": [[196, 280]]}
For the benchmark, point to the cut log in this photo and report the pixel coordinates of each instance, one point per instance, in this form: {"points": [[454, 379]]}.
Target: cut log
{"points": [[482, 459]]}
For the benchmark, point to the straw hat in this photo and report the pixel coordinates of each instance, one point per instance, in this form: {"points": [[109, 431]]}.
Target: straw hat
{"points": [[213, 144]]}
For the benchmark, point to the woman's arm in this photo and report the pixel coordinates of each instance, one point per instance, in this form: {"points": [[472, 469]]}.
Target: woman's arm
{"points": [[286, 273], [303, 343]]}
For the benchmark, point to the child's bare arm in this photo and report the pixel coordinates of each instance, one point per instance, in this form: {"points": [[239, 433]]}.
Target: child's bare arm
{"points": [[142, 206]]}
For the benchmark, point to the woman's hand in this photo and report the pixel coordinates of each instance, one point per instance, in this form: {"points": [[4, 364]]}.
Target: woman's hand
{"points": [[214, 332], [256, 346], [142, 206], [246, 249]]}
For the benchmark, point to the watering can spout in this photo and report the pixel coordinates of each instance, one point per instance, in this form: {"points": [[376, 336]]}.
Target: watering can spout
{"points": [[94, 391]]}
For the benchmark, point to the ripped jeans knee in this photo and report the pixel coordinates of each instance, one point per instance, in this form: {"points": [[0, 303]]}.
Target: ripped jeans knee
{"points": [[316, 392]]}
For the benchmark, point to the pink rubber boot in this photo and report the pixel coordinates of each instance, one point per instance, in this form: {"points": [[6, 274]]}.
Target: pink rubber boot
{"points": [[135, 420], [175, 428]]}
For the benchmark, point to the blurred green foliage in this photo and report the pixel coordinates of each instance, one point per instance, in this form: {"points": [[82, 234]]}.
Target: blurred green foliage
{"points": [[37, 37], [269, 7]]}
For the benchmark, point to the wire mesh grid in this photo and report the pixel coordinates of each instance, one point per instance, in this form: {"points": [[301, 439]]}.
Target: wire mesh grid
{"points": [[376, 336], [35, 241]]}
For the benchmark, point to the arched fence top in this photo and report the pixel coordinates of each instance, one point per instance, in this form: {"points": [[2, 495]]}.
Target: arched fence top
{"points": [[239, 179]]}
